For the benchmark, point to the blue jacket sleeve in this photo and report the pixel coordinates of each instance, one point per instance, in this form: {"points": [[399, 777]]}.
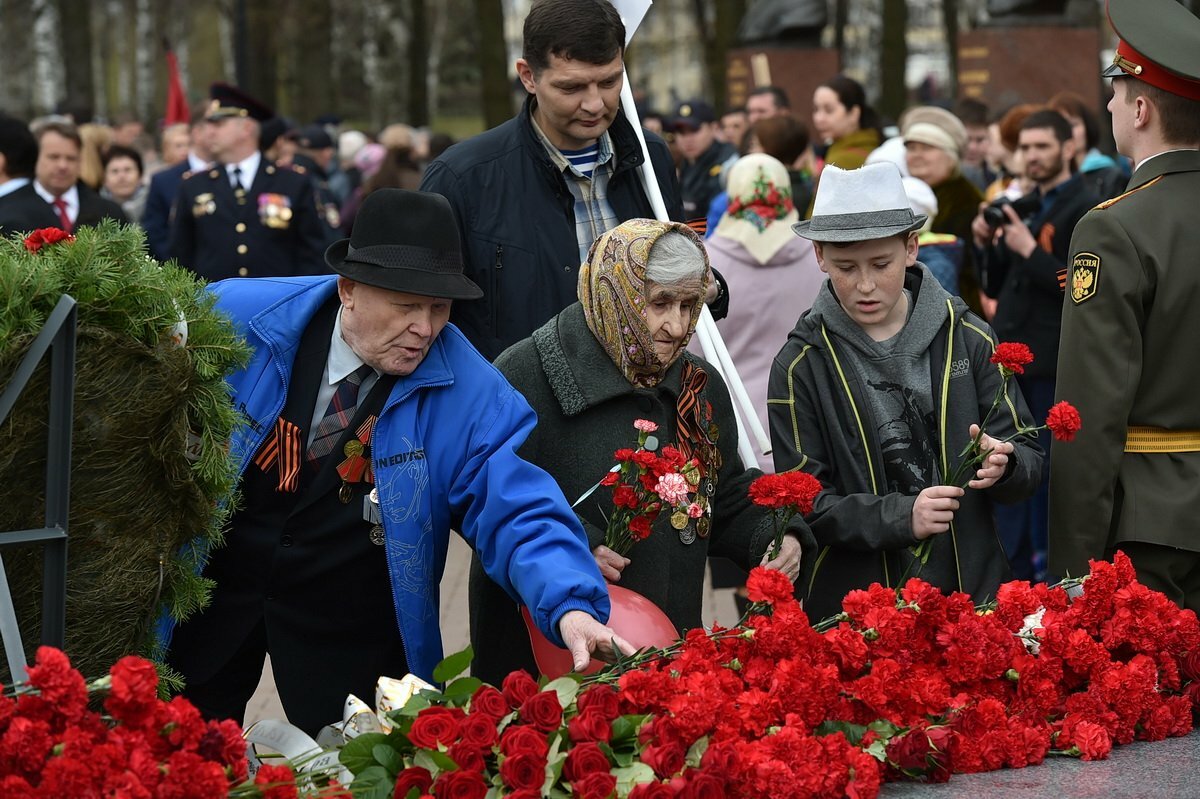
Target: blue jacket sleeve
{"points": [[518, 522]]}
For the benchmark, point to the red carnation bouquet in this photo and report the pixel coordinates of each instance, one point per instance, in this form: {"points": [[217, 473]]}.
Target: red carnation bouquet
{"points": [[54, 741], [1063, 421], [644, 484], [786, 495]]}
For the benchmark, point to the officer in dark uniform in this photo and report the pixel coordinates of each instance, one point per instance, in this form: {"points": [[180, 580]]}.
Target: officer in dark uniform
{"points": [[705, 159], [245, 216], [313, 156], [1131, 478]]}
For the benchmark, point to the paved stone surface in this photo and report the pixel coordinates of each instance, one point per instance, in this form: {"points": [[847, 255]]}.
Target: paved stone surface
{"points": [[1160, 770], [718, 605]]}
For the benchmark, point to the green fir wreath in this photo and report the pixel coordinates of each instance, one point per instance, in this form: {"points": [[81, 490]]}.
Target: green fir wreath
{"points": [[150, 470]]}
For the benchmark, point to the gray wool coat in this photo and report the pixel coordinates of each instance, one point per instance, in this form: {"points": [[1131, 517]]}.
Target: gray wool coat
{"points": [[586, 409]]}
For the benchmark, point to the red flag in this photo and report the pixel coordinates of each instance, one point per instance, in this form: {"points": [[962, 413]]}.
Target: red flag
{"points": [[177, 105]]}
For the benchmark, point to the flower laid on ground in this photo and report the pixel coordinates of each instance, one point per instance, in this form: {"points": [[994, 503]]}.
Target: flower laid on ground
{"points": [[47, 235], [786, 494], [53, 745], [644, 484], [907, 684]]}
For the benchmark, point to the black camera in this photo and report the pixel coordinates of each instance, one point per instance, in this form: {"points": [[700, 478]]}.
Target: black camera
{"points": [[1024, 206]]}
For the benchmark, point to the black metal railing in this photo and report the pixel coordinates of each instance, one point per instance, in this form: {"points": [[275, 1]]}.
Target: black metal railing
{"points": [[57, 336]]}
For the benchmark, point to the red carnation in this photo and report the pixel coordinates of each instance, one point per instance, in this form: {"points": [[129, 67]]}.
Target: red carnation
{"points": [[47, 235], [276, 782], [639, 528], [768, 585], [1063, 421], [789, 489], [1012, 357], [1092, 741], [134, 694]]}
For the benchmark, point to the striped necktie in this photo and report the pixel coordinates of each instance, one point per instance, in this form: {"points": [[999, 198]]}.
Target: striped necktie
{"points": [[337, 415]]}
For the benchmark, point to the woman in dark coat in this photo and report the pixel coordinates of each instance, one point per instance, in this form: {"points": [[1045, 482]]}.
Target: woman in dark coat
{"points": [[616, 356]]}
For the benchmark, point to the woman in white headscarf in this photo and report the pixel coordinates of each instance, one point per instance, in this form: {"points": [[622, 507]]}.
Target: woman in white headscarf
{"points": [[772, 274]]}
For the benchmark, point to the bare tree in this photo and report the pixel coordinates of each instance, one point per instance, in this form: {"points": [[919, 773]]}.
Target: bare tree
{"points": [[418, 63], [76, 50], [950, 20], [893, 58], [493, 62], [146, 50], [48, 73]]}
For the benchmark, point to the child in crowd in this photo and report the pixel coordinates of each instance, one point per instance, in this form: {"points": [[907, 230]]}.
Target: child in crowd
{"points": [[878, 391]]}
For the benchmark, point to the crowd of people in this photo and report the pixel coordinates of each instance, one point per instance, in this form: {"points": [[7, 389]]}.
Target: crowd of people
{"points": [[861, 273]]}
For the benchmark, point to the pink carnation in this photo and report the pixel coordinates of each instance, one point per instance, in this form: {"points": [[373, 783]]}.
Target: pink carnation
{"points": [[695, 511], [645, 425], [673, 488]]}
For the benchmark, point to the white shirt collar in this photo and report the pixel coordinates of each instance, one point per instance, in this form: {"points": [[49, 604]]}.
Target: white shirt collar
{"points": [[11, 185], [1143, 162], [249, 167], [195, 164], [342, 359], [70, 196]]}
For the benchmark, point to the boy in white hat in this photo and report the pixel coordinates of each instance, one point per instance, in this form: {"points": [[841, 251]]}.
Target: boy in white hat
{"points": [[877, 392]]}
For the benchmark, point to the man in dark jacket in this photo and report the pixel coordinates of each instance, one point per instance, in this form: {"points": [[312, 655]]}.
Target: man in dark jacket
{"points": [[165, 184], [21, 209], [56, 179], [532, 194], [705, 159], [1023, 263]]}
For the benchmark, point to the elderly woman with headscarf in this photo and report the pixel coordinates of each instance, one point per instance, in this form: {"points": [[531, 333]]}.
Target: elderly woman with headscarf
{"points": [[616, 356], [772, 272], [934, 140]]}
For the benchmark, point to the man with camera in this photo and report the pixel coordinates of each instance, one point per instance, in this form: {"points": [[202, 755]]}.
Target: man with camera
{"points": [[1023, 247]]}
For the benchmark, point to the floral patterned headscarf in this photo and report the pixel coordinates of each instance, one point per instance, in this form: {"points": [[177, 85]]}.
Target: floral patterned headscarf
{"points": [[612, 289], [760, 213]]}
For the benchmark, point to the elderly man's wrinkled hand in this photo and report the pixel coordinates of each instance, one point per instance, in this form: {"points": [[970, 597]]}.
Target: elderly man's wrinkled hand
{"points": [[788, 560], [587, 638]]}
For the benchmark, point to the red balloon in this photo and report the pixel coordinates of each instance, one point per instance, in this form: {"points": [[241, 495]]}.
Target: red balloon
{"points": [[634, 618]]}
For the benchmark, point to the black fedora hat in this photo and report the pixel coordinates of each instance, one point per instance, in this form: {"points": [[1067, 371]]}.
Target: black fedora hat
{"points": [[405, 241]]}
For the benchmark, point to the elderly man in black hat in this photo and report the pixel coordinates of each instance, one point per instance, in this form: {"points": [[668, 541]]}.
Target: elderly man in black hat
{"points": [[1131, 478], [372, 429], [245, 216]]}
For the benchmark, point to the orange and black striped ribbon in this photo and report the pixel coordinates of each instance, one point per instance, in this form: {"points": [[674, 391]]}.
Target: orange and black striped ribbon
{"points": [[282, 449], [699, 226], [687, 410]]}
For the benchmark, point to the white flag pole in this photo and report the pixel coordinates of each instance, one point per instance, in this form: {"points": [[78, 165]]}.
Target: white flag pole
{"points": [[632, 12]]}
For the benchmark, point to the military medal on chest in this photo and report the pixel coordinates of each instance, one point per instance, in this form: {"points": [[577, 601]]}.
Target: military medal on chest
{"points": [[372, 516]]}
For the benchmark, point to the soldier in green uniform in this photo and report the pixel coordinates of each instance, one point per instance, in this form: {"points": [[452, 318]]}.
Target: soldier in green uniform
{"points": [[1131, 479]]}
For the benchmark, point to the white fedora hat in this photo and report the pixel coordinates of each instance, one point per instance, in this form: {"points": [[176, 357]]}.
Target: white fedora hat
{"points": [[859, 205]]}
